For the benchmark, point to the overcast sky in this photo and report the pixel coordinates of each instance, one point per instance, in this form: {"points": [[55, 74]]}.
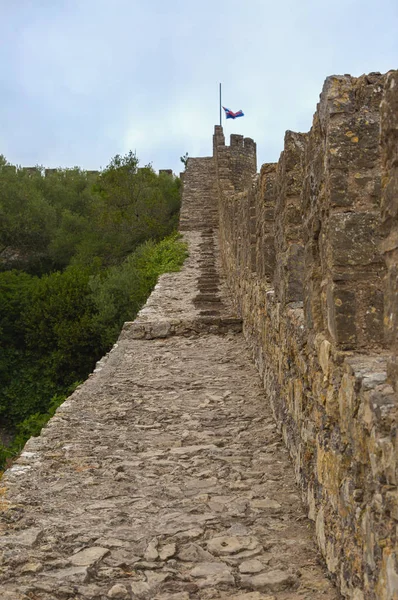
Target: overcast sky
{"points": [[83, 80]]}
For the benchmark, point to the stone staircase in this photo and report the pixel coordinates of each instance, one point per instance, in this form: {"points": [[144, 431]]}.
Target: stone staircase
{"points": [[199, 210], [195, 300]]}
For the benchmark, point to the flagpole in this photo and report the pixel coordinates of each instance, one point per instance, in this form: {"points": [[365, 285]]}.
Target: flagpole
{"points": [[220, 105]]}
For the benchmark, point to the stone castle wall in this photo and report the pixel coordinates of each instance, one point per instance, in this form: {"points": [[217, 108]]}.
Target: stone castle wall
{"points": [[309, 248], [389, 146], [302, 245]]}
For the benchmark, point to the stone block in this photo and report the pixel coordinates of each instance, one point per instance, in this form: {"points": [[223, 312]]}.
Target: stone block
{"points": [[353, 239], [294, 273], [338, 190], [266, 256], [373, 309], [341, 315]]}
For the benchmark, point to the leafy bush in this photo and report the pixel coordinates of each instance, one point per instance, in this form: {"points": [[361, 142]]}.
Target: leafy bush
{"points": [[121, 291], [72, 216]]}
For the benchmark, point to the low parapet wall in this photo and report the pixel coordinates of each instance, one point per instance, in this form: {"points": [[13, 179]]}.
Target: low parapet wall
{"points": [[300, 245]]}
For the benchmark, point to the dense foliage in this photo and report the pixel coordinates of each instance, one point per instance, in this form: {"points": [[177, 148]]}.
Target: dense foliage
{"points": [[74, 216], [79, 255]]}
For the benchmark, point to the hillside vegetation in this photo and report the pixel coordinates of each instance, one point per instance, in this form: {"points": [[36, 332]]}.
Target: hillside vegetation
{"points": [[79, 255]]}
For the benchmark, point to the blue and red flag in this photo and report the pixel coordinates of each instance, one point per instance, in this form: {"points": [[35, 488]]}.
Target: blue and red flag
{"points": [[231, 115]]}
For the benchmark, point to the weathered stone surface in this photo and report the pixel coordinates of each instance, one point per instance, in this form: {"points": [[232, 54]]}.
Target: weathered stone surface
{"points": [[118, 591], [252, 596], [32, 567], [289, 248], [212, 574], [178, 596], [151, 552], [316, 329], [88, 557], [193, 553], [231, 545], [266, 504], [167, 551], [251, 566], [272, 581]]}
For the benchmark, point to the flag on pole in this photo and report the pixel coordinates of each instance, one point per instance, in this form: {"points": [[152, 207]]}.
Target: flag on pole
{"points": [[231, 115]]}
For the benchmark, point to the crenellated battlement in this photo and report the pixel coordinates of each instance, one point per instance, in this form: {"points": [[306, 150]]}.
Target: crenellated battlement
{"points": [[302, 246], [236, 163], [49, 172]]}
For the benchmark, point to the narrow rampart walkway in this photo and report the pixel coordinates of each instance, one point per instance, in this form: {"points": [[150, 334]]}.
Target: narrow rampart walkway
{"points": [[163, 476]]}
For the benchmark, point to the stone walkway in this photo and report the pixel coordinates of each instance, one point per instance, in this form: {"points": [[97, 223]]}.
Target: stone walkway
{"points": [[163, 476]]}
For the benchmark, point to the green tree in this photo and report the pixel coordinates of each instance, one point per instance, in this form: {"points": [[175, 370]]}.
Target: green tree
{"points": [[58, 324], [120, 291], [134, 204], [27, 221]]}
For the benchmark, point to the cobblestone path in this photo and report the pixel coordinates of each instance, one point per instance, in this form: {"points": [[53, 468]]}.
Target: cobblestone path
{"points": [[163, 476]]}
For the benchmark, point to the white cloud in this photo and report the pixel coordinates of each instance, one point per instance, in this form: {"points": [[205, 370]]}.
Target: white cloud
{"points": [[83, 80]]}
